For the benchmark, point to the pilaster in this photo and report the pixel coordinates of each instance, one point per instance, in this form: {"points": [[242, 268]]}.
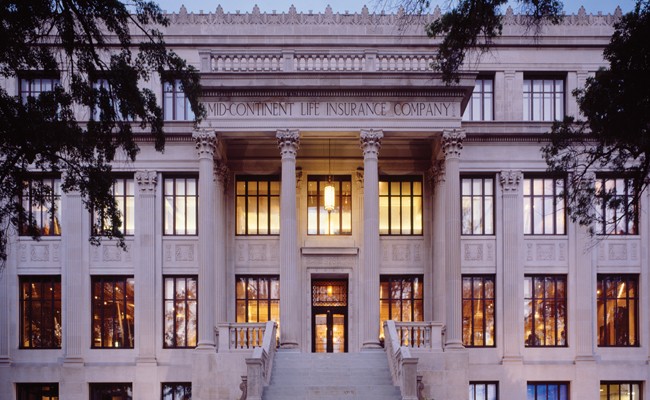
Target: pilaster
{"points": [[437, 180], [221, 174]]}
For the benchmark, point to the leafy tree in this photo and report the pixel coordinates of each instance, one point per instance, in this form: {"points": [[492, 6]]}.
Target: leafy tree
{"points": [[80, 41]]}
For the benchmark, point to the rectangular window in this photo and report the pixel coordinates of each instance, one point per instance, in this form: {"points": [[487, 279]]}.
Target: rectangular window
{"points": [[618, 310], [258, 298], [617, 207], [111, 391], [323, 222], [176, 391], [545, 316], [480, 107], [479, 302], [543, 99], [180, 305], [37, 391], [40, 198], [40, 312], [483, 391], [477, 202], [33, 87], [175, 104], [401, 298], [620, 390], [181, 206], [544, 206], [547, 391], [104, 92], [400, 205], [258, 205], [113, 312], [124, 193]]}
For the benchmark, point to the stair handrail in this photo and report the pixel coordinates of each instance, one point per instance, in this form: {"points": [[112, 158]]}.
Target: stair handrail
{"points": [[260, 364], [403, 366]]}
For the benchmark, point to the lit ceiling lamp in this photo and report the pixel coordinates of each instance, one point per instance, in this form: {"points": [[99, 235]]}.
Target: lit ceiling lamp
{"points": [[329, 188]]}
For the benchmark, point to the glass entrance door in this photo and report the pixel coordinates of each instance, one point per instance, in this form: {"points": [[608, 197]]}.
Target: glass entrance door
{"points": [[329, 316]]}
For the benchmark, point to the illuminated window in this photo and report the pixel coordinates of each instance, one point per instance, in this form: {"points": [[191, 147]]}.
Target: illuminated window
{"points": [[177, 391], [545, 316], [478, 311], [401, 298], [477, 203], [112, 391], [547, 391], [543, 99], [617, 206], [618, 310], [483, 391], [480, 106], [40, 199], [258, 298], [400, 205], [337, 221], [113, 312], [258, 206], [180, 305], [181, 206], [40, 312], [176, 106], [123, 192], [544, 206], [620, 391], [33, 87], [37, 391]]}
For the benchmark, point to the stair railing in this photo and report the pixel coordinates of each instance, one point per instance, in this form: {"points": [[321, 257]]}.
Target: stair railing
{"points": [[260, 364], [403, 366]]}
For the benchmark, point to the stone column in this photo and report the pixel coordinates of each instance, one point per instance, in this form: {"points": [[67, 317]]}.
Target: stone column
{"points": [[289, 142], [437, 176], [221, 177], [513, 273], [452, 144], [370, 144]]}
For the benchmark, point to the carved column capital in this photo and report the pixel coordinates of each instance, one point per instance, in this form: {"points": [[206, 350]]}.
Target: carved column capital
{"points": [[288, 142], [206, 142], [147, 181], [436, 173], [452, 142], [298, 177], [221, 172], [360, 177], [370, 140], [510, 181]]}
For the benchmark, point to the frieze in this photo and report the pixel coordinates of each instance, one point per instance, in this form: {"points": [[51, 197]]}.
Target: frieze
{"points": [[400, 253], [548, 253], [334, 261], [618, 252], [478, 253], [257, 252]]}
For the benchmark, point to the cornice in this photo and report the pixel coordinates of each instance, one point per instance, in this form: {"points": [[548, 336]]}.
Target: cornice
{"points": [[344, 92]]}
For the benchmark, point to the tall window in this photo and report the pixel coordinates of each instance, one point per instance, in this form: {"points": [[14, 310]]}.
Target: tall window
{"points": [[41, 200], [543, 99], [545, 317], [547, 391], [176, 105], [618, 310], [620, 391], [483, 391], [258, 206], [400, 205], [401, 298], [104, 91], [124, 192], [177, 391], [33, 87], [258, 298], [617, 206], [181, 206], [37, 391], [111, 391], [113, 312], [544, 206], [481, 105], [477, 200], [40, 312], [479, 310], [337, 221], [180, 311]]}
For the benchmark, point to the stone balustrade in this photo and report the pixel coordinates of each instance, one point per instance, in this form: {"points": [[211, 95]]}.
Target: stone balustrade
{"points": [[403, 366], [259, 366], [420, 335], [240, 336]]}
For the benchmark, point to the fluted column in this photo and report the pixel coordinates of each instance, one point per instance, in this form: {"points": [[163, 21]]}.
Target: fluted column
{"points": [[370, 144], [289, 142], [513, 274], [205, 146], [73, 278], [221, 173], [437, 177], [452, 145]]}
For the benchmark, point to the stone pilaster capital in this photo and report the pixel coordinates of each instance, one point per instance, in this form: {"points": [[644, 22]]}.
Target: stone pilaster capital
{"points": [[370, 140], [510, 181], [298, 177], [147, 181], [288, 142], [206, 142], [221, 172], [436, 173], [360, 177], [452, 142]]}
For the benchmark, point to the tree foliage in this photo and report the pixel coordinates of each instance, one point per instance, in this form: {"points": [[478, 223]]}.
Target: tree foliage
{"points": [[80, 41]]}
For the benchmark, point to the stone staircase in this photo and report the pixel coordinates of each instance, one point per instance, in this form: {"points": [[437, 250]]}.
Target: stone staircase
{"points": [[342, 376]]}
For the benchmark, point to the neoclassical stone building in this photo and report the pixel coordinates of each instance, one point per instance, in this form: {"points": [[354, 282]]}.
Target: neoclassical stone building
{"points": [[337, 183]]}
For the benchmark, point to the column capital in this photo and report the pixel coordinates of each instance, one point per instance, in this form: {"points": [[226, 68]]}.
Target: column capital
{"points": [[298, 177], [436, 173], [370, 140], [206, 142], [221, 172], [452, 142], [359, 176], [288, 142], [510, 181], [147, 181]]}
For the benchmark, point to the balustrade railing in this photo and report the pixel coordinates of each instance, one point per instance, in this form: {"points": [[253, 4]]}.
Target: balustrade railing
{"points": [[240, 336], [260, 365], [403, 366], [420, 335]]}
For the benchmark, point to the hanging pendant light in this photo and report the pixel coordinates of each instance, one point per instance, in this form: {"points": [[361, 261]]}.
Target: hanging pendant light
{"points": [[330, 194]]}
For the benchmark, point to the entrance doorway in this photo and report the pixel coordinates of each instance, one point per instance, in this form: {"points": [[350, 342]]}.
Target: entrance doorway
{"points": [[329, 315]]}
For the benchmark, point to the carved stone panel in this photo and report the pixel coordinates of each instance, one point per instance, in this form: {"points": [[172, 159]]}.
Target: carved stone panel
{"points": [[478, 253], [42, 254], [256, 252], [180, 253], [396, 252], [110, 254], [623, 252], [545, 253], [329, 261]]}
